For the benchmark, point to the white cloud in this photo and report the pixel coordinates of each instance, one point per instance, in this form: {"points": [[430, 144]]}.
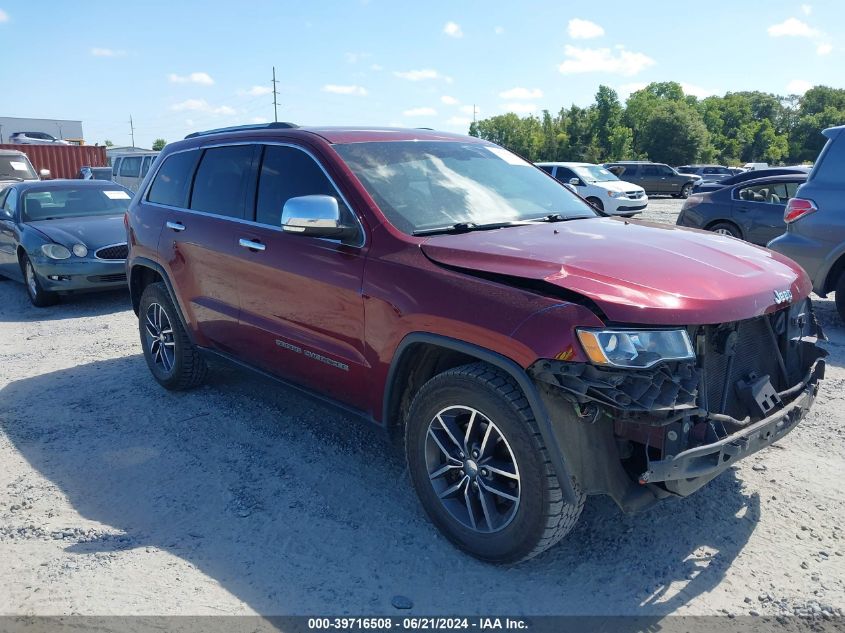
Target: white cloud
{"points": [[468, 109], [345, 90], [519, 108], [419, 75], [377, 67], [583, 29], [589, 60], [627, 89], [806, 9], [194, 78], [354, 58], [521, 93], [697, 91], [448, 100], [420, 112], [793, 27], [104, 52], [201, 105], [256, 91], [4, 17], [499, 30], [798, 86], [825, 48], [453, 30], [459, 121]]}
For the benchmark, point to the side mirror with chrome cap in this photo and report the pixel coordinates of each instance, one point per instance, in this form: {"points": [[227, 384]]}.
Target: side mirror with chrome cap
{"points": [[575, 181], [315, 216], [44, 173]]}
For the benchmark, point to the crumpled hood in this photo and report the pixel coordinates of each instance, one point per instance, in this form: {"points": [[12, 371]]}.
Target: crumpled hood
{"points": [[93, 231], [636, 271]]}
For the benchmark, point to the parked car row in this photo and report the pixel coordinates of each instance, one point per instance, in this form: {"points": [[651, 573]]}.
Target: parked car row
{"points": [[655, 178], [530, 349]]}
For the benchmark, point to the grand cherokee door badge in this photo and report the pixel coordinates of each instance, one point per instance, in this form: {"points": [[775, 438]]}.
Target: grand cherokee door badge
{"points": [[313, 355]]}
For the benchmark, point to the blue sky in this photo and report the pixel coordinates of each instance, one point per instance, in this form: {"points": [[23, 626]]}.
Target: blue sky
{"points": [[179, 66]]}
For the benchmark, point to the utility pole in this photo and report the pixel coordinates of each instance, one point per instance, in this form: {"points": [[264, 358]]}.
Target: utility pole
{"points": [[275, 94], [474, 112], [59, 125], [132, 130]]}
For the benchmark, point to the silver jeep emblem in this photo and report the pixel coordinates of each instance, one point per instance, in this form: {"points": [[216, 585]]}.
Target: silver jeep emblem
{"points": [[783, 296]]}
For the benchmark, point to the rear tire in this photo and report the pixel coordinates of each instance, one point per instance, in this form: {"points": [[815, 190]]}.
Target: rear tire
{"points": [[726, 228], [39, 297], [839, 293], [173, 360], [504, 515]]}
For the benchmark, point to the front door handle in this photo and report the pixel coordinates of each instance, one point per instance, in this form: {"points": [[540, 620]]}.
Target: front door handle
{"points": [[251, 245], [176, 226]]}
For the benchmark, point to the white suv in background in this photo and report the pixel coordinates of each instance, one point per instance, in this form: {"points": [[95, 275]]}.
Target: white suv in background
{"points": [[599, 187]]}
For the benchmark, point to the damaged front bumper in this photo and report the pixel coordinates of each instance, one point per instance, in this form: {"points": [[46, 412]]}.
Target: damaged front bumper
{"points": [[686, 472], [640, 435]]}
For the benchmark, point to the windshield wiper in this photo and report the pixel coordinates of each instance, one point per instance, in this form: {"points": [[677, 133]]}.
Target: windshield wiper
{"points": [[466, 227]]}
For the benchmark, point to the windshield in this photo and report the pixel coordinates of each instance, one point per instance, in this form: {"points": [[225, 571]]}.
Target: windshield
{"points": [[594, 173], [54, 204], [16, 168], [422, 185]]}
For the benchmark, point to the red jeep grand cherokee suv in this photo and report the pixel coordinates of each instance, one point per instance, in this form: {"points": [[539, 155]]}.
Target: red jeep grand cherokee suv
{"points": [[531, 350]]}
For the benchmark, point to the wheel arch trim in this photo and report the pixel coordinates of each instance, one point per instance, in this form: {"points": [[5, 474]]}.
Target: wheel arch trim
{"points": [[514, 370]]}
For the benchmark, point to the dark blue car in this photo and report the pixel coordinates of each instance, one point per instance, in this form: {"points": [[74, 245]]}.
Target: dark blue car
{"points": [[752, 210], [63, 235]]}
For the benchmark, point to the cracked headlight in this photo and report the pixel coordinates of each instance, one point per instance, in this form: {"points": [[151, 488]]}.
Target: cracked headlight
{"points": [[635, 348], [55, 251]]}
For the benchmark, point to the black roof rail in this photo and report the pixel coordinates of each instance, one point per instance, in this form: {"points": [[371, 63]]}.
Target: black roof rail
{"points": [[276, 125]]}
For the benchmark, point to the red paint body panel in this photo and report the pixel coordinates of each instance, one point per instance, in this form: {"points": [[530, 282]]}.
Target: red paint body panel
{"points": [[63, 161], [355, 305], [637, 272]]}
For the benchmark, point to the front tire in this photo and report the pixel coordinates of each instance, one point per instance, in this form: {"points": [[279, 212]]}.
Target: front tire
{"points": [[480, 467], [596, 203], [171, 357], [839, 293], [39, 297], [686, 191]]}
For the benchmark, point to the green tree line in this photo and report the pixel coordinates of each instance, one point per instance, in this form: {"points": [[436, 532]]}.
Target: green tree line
{"points": [[663, 124]]}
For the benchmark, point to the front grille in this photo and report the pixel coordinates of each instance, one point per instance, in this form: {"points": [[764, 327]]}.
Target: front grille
{"points": [[107, 279], [634, 195], [115, 251], [754, 353]]}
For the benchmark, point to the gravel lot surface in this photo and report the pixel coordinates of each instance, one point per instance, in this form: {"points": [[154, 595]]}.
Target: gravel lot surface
{"points": [[117, 497]]}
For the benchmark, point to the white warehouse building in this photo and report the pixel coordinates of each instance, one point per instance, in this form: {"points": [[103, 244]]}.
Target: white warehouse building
{"points": [[60, 128]]}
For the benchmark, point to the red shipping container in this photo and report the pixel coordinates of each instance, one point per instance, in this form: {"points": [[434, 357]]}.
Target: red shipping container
{"points": [[63, 161]]}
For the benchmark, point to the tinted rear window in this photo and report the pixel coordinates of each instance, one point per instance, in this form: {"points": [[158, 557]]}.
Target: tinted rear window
{"points": [[131, 167], [830, 166], [170, 186], [222, 179]]}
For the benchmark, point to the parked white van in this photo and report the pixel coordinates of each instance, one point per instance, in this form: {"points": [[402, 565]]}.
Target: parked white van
{"points": [[755, 166], [130, 168], [600, 187]]}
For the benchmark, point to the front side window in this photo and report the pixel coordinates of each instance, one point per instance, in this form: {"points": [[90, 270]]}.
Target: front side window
{"points": [[131, 166], [564, 174], [428, 185], [286, 173], [222, 179], [651, 170], [170, 185]]}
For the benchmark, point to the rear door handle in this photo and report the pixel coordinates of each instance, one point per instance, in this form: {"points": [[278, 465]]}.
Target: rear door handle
{"points": [[176, 226], [251, 245]]}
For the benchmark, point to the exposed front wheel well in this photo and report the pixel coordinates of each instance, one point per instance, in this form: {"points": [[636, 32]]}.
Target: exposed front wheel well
{"points": [[418, 363], [141, 277]]}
